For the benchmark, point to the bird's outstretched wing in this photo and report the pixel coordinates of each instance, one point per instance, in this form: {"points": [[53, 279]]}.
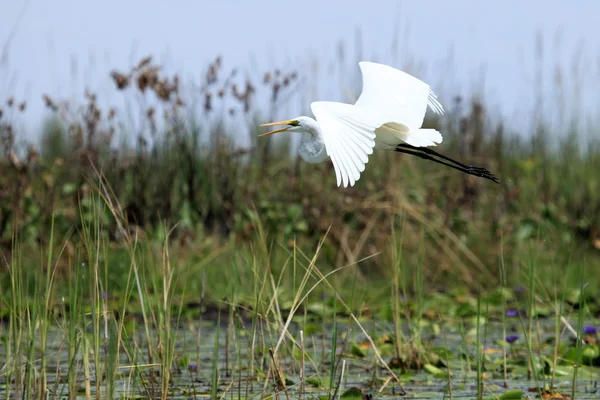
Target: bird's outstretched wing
{"points": [[396, 95], [349, 138]]}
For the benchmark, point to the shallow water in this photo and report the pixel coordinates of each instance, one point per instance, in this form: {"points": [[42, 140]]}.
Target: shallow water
{"points": [[192, 376]]}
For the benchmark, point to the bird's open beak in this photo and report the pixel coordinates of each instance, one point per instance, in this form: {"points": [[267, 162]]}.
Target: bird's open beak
{"points": [[286, 122]]}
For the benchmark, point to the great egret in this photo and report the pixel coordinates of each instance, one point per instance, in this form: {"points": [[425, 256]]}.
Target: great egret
{"points": [[388, 115]]}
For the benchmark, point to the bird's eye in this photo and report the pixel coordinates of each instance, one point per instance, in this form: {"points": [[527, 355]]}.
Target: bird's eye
{"points": [[294, 123]]}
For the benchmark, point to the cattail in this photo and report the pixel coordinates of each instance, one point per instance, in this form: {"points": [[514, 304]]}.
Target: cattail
{"points": [[152, 75], [121, 80], [142, 82], [249, 87], [162, 90], [10, 101], [211, 75], [8, 136], [207, 101], [51, 104], [143, 62], [22, 106], [147, 79], [275, 91]]}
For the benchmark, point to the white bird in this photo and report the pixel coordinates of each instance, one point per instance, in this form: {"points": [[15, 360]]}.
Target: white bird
{"points": [[388, 114]]}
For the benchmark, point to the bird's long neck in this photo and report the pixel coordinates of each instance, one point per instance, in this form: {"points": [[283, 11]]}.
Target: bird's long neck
{"points": [[312, 148]]}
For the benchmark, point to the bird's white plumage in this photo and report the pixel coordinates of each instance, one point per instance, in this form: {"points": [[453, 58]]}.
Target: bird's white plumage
{"points": [[396, 95], [423, 138], [388, 96], [390, 110], [349, 138]]}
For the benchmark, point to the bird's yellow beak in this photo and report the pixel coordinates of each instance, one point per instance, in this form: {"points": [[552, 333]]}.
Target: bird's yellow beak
{"points": [[285, 122]]}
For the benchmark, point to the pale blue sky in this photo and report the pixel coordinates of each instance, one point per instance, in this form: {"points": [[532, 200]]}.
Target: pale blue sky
{"points": [[460, 44]]}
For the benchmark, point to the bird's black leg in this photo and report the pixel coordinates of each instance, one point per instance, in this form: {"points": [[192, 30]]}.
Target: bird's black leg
{"points": [[428, 154], [434, 153]]}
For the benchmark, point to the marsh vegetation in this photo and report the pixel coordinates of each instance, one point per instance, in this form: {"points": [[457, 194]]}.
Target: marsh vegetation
{"points": [[182, 265]]}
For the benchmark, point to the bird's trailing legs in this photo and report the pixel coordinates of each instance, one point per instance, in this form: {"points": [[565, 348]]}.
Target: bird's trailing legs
{"points": [[428, 154]]}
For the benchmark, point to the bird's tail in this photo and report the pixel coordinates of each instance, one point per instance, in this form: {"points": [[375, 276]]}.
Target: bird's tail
{"points": [[423, 137]]}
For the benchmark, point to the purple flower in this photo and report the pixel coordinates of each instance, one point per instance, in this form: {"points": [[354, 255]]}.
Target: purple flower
{"points": [[515, 312], [512, 338], [589, 330], [519, 289], [192, 367], [105, 295], [512, 312]]}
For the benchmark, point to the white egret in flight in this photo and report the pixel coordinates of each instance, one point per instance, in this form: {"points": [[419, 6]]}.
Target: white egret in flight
{"points": [[388, 115]]}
